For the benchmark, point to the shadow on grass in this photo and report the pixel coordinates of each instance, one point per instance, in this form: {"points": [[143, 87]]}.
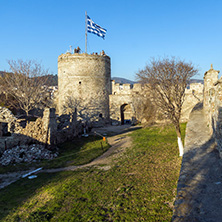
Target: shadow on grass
{"points": [[78, 151], [116, 130], [14, 195]]}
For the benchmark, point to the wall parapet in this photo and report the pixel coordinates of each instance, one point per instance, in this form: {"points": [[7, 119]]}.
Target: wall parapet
{"points": [[213, 105], [127, 94]]}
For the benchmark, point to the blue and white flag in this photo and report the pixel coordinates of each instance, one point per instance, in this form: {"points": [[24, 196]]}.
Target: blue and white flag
{"points": [[92, 27]]}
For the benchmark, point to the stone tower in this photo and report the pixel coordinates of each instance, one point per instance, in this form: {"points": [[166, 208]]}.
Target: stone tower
{"points": [[84, 80], [210, 78]]}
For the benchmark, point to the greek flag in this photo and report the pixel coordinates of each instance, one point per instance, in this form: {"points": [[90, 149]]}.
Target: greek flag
{"points": [[92, 27]]}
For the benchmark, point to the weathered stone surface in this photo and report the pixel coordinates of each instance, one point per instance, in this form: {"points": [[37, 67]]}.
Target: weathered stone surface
{"points": [[6, 116], [86, 80], [126, 94], [199, 192], [42, 131], [213, 105]]}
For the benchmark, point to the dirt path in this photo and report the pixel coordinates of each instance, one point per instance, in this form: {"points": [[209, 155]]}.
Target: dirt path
{"points": [[118, 143]]}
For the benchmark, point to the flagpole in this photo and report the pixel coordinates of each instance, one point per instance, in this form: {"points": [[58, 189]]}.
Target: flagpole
{"points": [[86, 33]]}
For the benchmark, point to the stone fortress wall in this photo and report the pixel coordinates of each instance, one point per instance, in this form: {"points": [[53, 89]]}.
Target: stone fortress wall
{"points": [[87, 80], [121, 101], [123, 96], [213, 105]]}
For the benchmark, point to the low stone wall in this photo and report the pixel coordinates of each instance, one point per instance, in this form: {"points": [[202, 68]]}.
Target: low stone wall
{"points": [[43, 131]]}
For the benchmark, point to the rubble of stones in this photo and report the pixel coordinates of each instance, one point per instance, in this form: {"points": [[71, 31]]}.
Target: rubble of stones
{"points": [[7, 114], [26, 153]]}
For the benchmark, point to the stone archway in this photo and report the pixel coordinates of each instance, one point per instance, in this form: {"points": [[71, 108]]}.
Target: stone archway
{"points": [[125, 113]]}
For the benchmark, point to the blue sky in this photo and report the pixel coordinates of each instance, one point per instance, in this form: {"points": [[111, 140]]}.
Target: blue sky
{"points": [[136, 31]]}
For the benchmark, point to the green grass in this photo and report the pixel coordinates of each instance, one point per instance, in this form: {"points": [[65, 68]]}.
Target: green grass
{"points": [[140, 187], [77, 152]]}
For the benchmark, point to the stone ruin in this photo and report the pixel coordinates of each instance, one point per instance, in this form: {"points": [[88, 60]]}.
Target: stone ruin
{"points": [[37, 139]]}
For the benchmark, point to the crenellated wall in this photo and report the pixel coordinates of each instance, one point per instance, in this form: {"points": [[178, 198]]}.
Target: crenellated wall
{"points": [[128, 95], [121, 103], [122, 100]]}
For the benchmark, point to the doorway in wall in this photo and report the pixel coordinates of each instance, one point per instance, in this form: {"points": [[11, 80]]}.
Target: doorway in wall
{"points": [[125, 114]]}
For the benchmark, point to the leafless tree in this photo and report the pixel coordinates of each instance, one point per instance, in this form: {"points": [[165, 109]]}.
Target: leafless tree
{"points": [[26, 85], [143, 107], [166, 80]]}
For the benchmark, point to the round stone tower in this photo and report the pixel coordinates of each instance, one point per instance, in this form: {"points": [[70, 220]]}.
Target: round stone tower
{"points": [[84, 83]]}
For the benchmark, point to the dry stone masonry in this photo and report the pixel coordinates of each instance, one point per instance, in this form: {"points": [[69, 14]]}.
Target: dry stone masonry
{"points": [[44, 131], [213, 105], [6, 116], [26, 154], [87, 77]]}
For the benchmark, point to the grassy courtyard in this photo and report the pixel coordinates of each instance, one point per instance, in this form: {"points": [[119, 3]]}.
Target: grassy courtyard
{"points": [[141, 186]]}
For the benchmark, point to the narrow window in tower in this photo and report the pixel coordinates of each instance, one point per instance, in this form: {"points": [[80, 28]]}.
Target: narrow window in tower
{"points": [[79, 82]]}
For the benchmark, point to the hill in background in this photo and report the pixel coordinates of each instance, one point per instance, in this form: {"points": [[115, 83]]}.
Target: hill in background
{"points": [[51, 80], [123, 80], [197, 81]]}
